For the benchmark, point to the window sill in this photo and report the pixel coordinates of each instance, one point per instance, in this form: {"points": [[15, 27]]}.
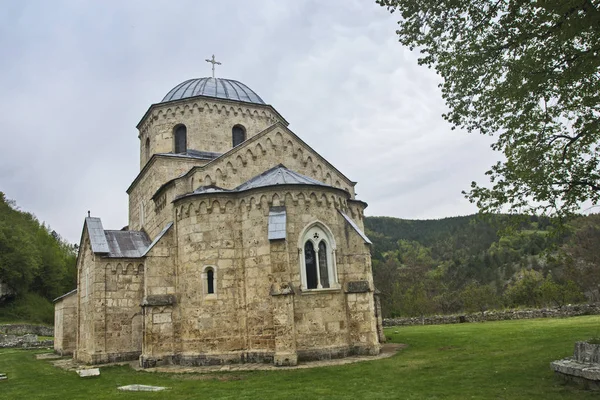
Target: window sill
{"points": [[324, 290]]}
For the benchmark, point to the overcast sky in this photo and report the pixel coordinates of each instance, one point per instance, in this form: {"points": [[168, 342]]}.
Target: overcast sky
{"points": [[77, 76]]}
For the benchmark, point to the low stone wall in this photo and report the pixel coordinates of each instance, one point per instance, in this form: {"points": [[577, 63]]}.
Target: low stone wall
{"points": [[23, 329], [27, 341], [497, 315]]}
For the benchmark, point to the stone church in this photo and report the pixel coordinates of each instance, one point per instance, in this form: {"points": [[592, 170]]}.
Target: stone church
{"points": [[243, 245]]}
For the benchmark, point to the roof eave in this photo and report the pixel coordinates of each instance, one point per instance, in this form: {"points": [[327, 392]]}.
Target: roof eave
{"points": [[245, 191], [155, 105]]}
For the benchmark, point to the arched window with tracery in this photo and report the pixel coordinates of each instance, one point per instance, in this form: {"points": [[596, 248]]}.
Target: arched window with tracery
{"points": [[238, 135], [317, 263], [180, 137]]}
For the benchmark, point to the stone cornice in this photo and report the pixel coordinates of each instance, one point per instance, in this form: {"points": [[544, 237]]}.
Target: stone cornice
{"points": [[201, 103]]}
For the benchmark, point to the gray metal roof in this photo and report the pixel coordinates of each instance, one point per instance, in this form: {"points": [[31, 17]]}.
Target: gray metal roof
{"points": [[96, 233], [126, 244], [356, 228], [210, 189], [157, 238], [278, 175], [213, 87], [65, 295], [191, 153]]}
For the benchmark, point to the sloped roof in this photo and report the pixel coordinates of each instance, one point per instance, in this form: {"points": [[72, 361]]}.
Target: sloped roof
{"points": [[191, 153], [210, 189], [278, 175], [115, 244], [157, 238], [356, 228], [65, 295], [96, 234], [126, 244]]}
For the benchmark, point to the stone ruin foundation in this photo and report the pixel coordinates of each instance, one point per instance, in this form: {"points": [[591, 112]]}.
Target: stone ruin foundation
{"points": [[583, 368]]}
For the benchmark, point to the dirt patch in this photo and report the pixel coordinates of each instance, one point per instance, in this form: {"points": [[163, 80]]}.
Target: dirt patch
{"points": [[388, 348]]}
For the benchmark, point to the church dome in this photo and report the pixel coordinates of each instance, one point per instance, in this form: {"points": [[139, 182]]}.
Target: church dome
{"points": [[213, 87]]}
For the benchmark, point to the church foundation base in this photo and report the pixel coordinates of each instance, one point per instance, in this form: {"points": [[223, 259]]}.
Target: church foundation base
{"points": [[105, 358], [337, 352], [285, 359], [203, 360], [257, 357]]}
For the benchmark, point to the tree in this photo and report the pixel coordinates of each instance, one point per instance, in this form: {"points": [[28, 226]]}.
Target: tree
{"points": [[558, 294], [525, 289], [478, 298], [528, 72]]}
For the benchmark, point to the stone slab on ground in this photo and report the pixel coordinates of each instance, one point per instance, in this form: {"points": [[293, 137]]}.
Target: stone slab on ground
{"points": [[584, 374], [46, 356], [142, 388], [88, 372]]}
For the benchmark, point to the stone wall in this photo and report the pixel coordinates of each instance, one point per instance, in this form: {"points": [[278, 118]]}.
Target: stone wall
{"points": [[156, 215], [86, 325], [65, 324], [500, 315], [122, 298], [27, 341], [23, 329], [110, 293], [258, 284]]}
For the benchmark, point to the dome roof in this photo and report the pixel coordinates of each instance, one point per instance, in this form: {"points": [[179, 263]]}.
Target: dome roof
{"points": [[213, 87]]}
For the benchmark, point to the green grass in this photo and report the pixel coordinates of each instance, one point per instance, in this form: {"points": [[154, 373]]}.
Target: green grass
{"points": [[493, 360]]}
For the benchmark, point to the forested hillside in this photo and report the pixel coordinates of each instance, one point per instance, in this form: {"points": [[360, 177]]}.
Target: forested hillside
{"points": [[34, 262], [464, 264]]}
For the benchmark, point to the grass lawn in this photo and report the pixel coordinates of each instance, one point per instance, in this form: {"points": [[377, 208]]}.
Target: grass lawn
{"points": [[492, 360]]}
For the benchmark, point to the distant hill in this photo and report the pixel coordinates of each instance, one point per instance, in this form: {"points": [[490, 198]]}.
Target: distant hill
{"points": [[472, 263]]}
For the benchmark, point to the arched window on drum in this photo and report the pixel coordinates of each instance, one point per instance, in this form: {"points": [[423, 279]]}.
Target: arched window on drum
{"points": [[238, 135]]}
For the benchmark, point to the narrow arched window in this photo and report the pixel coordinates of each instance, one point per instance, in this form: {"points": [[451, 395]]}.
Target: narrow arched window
{"points": [[210, 281], [147, 149], [180, 139], [238, 135], [142, 211], [310, 263], [323, 269]]}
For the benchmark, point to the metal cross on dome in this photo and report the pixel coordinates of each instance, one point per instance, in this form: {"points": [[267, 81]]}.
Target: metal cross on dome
{"points": [[213, 62]]}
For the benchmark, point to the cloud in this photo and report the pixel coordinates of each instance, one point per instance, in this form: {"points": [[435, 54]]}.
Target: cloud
{"points": [[78, 77]]}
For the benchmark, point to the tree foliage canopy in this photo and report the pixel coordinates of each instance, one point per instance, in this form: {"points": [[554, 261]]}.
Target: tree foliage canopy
{"points": [[528, 72], [33, 259]]}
